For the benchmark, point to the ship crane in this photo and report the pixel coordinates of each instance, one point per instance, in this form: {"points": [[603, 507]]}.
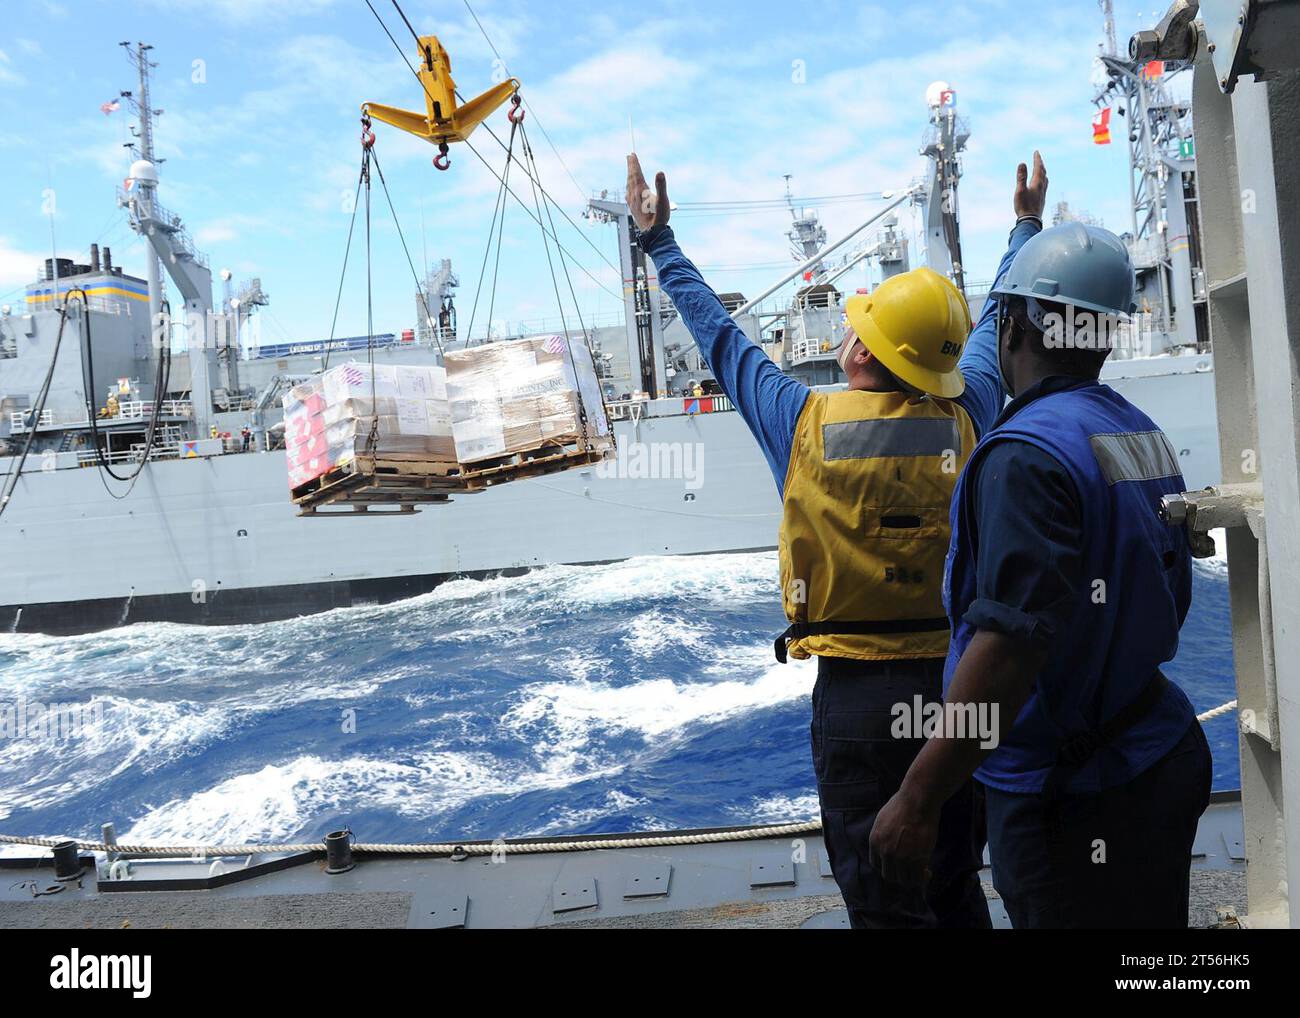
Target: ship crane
{"points": [[370, 482]]}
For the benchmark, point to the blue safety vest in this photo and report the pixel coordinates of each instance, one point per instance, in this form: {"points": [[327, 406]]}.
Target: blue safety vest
{"points": [[1137, 590]]}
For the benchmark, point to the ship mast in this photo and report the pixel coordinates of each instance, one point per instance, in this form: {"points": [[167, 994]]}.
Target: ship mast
{"points": [[1165, 245], [170, 246], [142, 148], [945, 139], [807, 236]]}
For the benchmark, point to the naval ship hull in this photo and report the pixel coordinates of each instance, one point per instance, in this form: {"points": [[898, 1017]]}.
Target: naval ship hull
{"points": [[217, 541]]}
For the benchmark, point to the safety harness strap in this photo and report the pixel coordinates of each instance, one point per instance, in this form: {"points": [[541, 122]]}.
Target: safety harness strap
{"points": [[831, 627], [1079, 748]]}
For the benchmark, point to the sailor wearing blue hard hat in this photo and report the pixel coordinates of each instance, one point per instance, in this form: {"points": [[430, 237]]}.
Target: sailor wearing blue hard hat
{"points": [[1066, 594]]}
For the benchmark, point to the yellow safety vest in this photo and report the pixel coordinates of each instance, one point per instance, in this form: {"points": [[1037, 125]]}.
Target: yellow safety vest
{"points": [[866, 530]]}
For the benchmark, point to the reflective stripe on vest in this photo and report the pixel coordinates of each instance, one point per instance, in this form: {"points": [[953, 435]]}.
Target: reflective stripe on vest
{"points": [[1135, 456], [865, 528], [902, 436]]}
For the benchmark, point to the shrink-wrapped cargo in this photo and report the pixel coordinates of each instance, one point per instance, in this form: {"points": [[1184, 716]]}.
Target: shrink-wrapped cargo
{"points": [[522, 396], [384, 412]]}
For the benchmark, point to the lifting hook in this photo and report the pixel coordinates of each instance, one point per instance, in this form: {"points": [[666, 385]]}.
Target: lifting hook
{"points": [[442, 160], [516, 113]]}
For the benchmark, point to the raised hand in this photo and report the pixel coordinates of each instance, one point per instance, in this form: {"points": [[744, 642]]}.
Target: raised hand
{"points": [[1031, 192], [649, 208]]}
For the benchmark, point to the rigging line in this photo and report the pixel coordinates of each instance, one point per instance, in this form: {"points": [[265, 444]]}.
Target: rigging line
{"points": [[494, 173], [568, 219], [585, 271], [568, 342], [482, 272], [583, 192], [501, 229], [555, 283], [162, 378], [419, 290], [11, 478], [347, 251], [577, 308], [527, 105], [373, 440], [408, 23]]}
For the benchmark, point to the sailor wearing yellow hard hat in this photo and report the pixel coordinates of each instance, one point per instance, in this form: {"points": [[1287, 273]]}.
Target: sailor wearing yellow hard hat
{"points": [[866, 476]]}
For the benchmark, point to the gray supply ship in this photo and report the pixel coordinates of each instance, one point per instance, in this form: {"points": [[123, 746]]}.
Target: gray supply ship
{"points": [[201, 529]]}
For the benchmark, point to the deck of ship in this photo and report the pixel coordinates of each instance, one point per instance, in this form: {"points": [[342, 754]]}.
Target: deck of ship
{"points": [[757, 883]]}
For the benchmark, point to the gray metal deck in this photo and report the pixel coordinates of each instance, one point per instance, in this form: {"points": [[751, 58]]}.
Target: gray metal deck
{"points": [[764, 883]]}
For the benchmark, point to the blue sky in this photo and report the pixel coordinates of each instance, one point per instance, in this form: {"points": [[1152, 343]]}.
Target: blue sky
{"points": [[262, 152]]}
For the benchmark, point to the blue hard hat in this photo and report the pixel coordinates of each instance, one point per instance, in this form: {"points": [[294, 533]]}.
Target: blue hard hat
{"points": [[1085, 267]]}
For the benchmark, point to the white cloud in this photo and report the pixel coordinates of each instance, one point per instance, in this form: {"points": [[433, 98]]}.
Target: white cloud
{"points": [[8, 76], [19, 267]]}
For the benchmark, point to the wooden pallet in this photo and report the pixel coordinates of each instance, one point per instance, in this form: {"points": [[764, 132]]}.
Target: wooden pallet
{"points": [[366, 483], [538, 462]]}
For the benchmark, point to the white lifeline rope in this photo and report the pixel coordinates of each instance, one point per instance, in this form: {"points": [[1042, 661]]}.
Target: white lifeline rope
{"points": [[1231, 705], [480, 848]]}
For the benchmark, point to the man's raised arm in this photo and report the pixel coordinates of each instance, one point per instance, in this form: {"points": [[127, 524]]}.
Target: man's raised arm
{"points": [[983, 397], [768, 400]]}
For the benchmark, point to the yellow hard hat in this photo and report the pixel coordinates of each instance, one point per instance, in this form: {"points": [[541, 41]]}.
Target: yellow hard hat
{"points": [[916, 324]]}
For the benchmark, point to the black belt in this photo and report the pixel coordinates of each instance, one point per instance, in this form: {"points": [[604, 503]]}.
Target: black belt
{"points": [[1081, 747], [1078, 749], [801, 630]]}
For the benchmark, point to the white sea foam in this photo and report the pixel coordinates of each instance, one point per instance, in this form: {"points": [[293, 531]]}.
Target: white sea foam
{"points": [[132, 734], [281, 801], [173, 692], [571, 713], [777, 809], [653, 631], [615, 803]]}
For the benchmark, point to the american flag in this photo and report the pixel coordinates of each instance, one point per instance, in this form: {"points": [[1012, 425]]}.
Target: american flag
{"points": [[112, 106], [554, 345]]}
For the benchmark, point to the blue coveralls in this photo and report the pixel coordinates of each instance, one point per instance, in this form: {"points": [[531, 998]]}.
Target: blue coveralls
{"points": [[1056, 541], [858, 763]]}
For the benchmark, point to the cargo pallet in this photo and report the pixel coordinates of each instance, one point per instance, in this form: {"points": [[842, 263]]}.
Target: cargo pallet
{"points": [[552, 459], [367, 483]]}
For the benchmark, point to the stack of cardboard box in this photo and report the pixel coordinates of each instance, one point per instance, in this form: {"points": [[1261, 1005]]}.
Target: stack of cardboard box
{"points": [[524, 395], [386, 412]]}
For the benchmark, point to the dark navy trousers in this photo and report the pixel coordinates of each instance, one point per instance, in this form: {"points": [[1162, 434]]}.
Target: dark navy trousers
{"points": [[859, 766], [1118, 859]]}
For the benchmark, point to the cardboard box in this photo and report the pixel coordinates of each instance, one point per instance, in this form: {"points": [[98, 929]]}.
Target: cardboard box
{"points": [[392, 412], [523, 395]]}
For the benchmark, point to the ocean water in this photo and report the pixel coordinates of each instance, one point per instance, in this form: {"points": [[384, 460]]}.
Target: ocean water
{"points": [[636, 695]]}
